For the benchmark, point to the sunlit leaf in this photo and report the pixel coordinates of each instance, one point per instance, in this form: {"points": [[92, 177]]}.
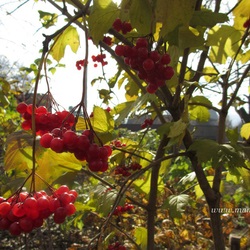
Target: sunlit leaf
{"points": [[245, 131], [102, 121], [140, 234], [101, 18], [68, 37], [241, 14], [226, 37]]}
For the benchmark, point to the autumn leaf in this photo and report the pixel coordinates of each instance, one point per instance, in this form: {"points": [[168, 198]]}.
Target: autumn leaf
{"points": [[68, 37]]}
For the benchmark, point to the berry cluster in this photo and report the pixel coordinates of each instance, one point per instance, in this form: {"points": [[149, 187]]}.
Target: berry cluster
{"points": [[45, 121], [63, 140], [25, 212], [147, 123], [117, 144], [80, 64], [119, 210], [100, 59], [124, 170], [124, 27], [107, 40], [150, 65], [116, 246]]}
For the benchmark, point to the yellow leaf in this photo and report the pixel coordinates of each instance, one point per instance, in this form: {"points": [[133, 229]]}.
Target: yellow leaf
{"points": [[68, 37], [245, 131]]}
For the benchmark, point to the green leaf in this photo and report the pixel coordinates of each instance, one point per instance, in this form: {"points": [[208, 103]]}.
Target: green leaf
{"points": [[245, 131], [140, 13], [140, 234], [190, 37], [177, 129], [101, 18], [172, 16], [177, 204], [68, 37], [47, 19], [205, 149], [18, 154], [232, 135], [199, 113], [207, 18]]}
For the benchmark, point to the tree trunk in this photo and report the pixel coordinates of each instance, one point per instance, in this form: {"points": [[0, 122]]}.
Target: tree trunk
{"points": [[216, 225]]}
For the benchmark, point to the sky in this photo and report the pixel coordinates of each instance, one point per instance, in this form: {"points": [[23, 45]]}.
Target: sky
{"points": [[21, 37]]}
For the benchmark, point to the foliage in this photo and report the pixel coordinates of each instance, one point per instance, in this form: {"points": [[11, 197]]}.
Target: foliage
{"points": [[166, 173]]}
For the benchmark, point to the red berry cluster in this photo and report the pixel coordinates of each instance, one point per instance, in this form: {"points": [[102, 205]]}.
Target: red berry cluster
{"points": [[246, 23], [150, 65], [124, 27], [117, 144], [124, 170], [45, 121], [107, 40], [80, 64], [119, 210], [83, 147], [147, 123], [100, 59], [116, 246], [25, 212]]}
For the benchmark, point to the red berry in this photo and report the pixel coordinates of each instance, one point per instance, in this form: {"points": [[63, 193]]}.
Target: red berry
{"points": [[15, 228], [60, 215], [142, 52], [57, 145], [83, 143], [148, 64], [168, 72], [26, 224], [41, 110], [54, 204], [70, 209], [151, 88], [246, 23], [43, 203], [119, 50], [21, 107], [65, 198], [46, 140], [126, 27], [18, 209], [141, 42], [117, 25], [154, 55], [62, 189], [165, 59], [26, 125], [70, 138], [5, 208], [4, 224]]}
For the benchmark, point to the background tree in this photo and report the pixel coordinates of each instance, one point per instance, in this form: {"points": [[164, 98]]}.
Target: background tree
{"points": [[175, 62]]}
